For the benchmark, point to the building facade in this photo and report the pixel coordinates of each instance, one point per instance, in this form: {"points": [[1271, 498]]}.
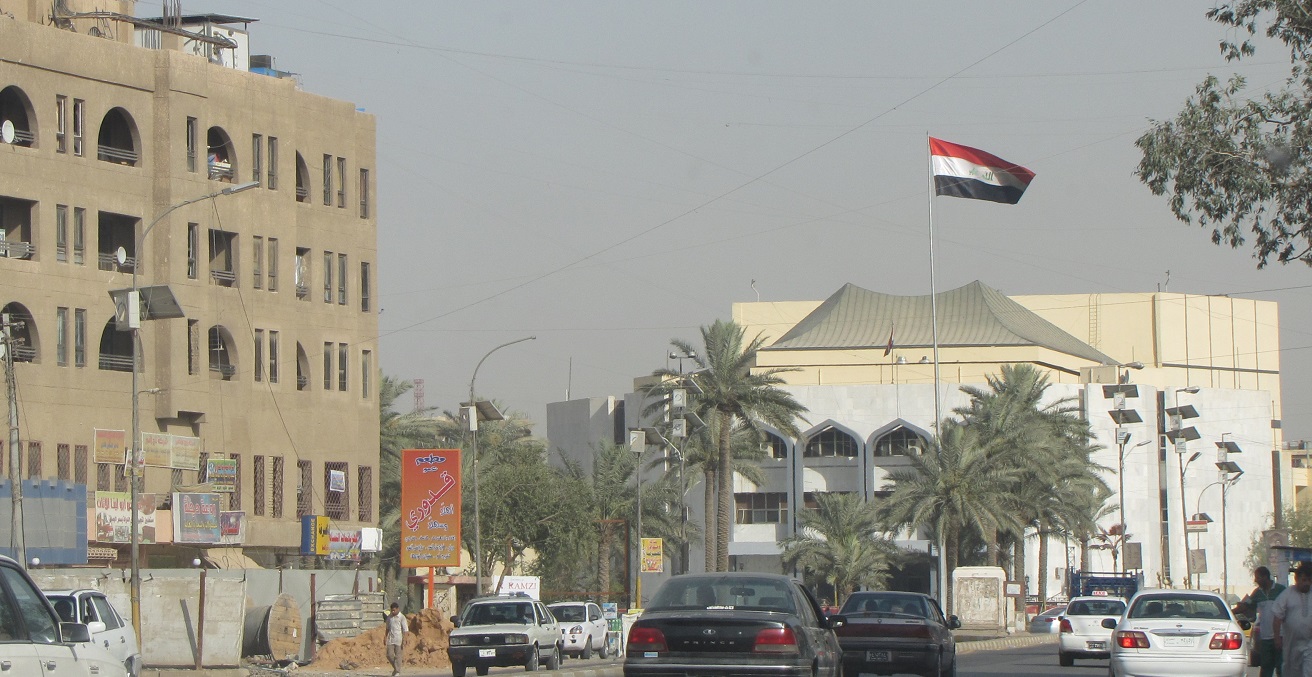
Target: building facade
{"points": [[272, 364]]}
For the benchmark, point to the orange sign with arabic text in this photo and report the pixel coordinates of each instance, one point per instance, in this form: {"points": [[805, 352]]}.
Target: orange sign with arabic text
{"points": [[430, 507]]}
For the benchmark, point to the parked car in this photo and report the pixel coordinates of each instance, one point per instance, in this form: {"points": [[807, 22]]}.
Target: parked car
{"points": [[582, 627], [1190, 633], [1082, 634], [732, 623], [891, 632], [33, 641], [107, 627], [1048, 622], [504, 631]]}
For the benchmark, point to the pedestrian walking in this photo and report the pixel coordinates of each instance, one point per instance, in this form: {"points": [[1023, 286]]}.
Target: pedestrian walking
{"points": [[1293, 623], [396, 629], [1257, 605]]}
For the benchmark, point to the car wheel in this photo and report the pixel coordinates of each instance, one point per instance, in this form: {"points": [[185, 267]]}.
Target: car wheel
{"points": [[553, 661], [1064, 660], [481, 670], [587, 649], [604, 652], [457, 670], [531, 665]]}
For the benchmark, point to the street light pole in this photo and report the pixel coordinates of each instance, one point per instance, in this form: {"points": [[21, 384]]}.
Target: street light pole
{"points": [[134, 460], [1184, 514], [1120, 479], [473, 431]]}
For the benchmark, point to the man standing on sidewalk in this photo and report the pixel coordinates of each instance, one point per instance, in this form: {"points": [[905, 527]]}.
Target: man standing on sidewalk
{"points": [[1293, 614], [396, 629], [1258, 605]]}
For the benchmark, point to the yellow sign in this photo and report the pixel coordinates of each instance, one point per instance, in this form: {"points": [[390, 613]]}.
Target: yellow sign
{"points": [[653, 556]]}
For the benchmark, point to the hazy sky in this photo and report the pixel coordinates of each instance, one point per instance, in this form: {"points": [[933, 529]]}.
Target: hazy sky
{"points": [[611, 175]]}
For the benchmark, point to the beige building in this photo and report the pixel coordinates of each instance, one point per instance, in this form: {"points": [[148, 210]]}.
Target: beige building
{"points": [[275, 363]]}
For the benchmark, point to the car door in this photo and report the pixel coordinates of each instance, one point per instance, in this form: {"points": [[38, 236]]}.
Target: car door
{"points": [[943, 632], [598, 625], [828, 653], [115, 636], [18, 655]]}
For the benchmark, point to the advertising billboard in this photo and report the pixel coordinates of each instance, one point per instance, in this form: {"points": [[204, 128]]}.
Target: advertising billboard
{"points": [[114, 517], [430, 508], [653, 556], [111, 446], [196, 518]]}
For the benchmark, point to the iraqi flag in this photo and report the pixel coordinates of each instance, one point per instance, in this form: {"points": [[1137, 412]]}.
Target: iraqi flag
{"points": [[962, 171]]}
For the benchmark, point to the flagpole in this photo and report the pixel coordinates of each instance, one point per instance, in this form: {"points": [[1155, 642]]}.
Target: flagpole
{"points": [[938, 432]]}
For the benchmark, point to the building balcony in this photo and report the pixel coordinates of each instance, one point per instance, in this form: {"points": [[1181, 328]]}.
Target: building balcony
{"points": [[17, 250], [112, 362], [225, 278], [121, 156], [108, 261], [220, 170]]}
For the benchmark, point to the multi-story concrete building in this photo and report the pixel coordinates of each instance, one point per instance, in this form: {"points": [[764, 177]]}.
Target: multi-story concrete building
{"points": [[1213, 361], [273, 365]]}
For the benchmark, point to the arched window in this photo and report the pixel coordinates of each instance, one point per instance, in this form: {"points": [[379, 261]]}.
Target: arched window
{"points": [[117, 139], [23, 330], [220, 155], [223, 353], [775, 446], [116, 349], [900, 442], [302, 179], [831, 442], [16, 109]]}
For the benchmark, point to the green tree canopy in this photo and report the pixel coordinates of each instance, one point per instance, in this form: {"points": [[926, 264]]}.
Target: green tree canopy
{"points": [[842, 543]]}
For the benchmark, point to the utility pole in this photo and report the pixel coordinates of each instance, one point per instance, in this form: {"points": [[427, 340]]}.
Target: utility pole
{"points": [[16, 540]]}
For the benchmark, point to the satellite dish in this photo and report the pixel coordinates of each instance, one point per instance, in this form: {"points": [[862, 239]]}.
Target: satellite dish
{"points": [[121, 255], [7, 131]]}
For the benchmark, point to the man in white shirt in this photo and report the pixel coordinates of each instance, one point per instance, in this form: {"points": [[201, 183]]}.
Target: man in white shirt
{"points": [[1293, 623], [396, 629]]}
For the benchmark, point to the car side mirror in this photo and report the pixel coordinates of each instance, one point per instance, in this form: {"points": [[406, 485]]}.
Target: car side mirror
{"points": [[74, 633], [954, 623], [1109, 623], [455, 620], [836, 621], [95, 627], [1245, 625]]}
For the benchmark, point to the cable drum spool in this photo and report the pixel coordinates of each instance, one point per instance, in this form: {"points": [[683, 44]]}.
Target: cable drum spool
{"points": [[273, 630]]}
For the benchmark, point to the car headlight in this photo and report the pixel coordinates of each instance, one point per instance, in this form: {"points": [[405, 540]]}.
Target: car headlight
{"points": [[459, 641], [576, 630], [516, 639]]}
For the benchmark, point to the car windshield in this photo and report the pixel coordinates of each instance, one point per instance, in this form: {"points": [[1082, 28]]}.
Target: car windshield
{"points": [[879, 603], [706, 592], [492, 613], [1096, 607], [1167, 605], [569, 614]]}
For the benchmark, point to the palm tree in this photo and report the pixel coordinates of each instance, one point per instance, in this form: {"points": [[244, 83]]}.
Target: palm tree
{"points": [[841, 542], [728, 391], [397, 431], [953, 487]]}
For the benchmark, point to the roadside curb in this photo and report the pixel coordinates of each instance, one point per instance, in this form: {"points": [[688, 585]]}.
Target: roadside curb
{"points": [[1005, 643]]}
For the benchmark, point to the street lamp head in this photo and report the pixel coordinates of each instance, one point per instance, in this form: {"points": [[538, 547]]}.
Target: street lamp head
{"points": [[239, 188], [1133, 365], [1192, 390]]}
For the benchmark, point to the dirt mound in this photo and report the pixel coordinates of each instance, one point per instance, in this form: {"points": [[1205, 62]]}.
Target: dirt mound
{"points": [[425, 646]]}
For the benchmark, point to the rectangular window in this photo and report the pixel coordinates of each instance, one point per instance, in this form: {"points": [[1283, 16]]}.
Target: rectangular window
{"points": [[193, 250], [257, 485], [341, 367], [175, 479], [257, 158], [272, 273], [277, 487], [234, 499], [80, 464], [301, 273], [259, 355], [34, 460], [103, 473], [364, 494], [80, 337], [341, 279], [120, 478], [364, 193], [273, 168], [61, 336], [61, 124], [336, 501], [327, 277], [304, 488], [193, 140], [79, 110], [61, 233], [327, 180], [364, 286], [202, 472], [366, 364], [341, 182], [79, 235], [761, 508], [328, 365], [193, 347], [63, 462], [273, 357], [257, 250]]}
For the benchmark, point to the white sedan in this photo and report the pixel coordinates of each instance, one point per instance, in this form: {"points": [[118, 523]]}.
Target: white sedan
{"points": [[582, 627], [1082, 633], [1189, 633]]}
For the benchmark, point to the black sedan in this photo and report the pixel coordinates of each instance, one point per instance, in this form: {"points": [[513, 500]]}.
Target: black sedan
{"points": [[885, 633], [731, 624]]}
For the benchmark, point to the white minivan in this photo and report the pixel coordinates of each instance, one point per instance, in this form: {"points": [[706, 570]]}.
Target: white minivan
{"points": [[108, 629], [34, 642]]}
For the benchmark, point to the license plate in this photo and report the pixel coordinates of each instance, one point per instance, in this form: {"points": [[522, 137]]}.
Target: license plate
{"points": [[879, 656], [1179, 641], [487, 653], [1097, 646]]}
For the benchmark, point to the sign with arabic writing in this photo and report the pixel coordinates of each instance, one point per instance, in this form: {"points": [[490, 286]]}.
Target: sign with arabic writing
{"points": [[430, 507]]}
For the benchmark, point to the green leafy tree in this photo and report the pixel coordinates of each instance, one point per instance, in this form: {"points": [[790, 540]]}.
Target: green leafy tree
{"points": [[1238, 162], [842, 543], [728, 391]]}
